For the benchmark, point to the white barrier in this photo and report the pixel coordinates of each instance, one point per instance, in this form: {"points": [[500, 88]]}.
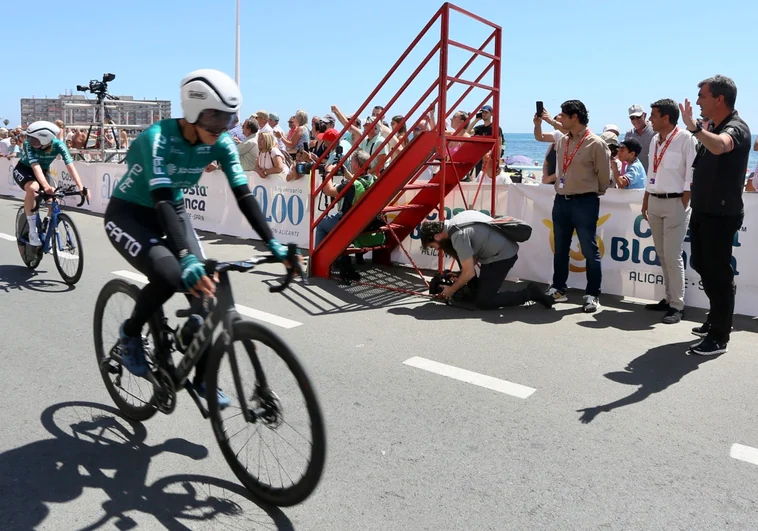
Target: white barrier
{"points": [[630, 266]]}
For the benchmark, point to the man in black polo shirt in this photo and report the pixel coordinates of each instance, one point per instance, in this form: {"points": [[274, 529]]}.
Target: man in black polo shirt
{"points": [[717, 208]]}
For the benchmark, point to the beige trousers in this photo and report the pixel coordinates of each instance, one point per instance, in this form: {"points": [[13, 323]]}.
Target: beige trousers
{"points": [[668, 221]]}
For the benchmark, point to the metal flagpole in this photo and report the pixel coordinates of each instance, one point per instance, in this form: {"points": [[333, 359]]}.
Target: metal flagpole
{"points": [[237, 48]]}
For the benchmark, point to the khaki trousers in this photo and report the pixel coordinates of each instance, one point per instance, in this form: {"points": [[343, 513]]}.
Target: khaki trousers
{"points": [[668, 221]]}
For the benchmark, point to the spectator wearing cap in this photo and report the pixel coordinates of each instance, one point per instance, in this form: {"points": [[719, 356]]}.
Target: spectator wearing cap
{"points": [[611, 139], [634, 176], [485, 129], [273, 121], [666, 203], [263, 127], [641, 130], [583, 176], [717, 207], [612, 128]]}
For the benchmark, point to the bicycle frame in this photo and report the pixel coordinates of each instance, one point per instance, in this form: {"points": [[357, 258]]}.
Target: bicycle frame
{"points": [[223, 313], [52, 223]]}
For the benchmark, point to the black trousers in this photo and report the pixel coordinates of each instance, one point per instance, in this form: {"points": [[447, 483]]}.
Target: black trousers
{"points": [[711, 239], [491, 277]]}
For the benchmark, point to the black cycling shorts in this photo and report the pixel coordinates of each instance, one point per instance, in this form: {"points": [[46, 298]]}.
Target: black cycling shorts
{"points": [[136, 233], [24, 174]]}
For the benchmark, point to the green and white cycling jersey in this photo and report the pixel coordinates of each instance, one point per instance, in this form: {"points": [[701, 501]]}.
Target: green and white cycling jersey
{"points": [[45, 157], [160, 157]]}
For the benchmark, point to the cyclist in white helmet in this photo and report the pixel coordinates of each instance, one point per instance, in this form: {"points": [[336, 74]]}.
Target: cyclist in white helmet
{"points": [[32, 172], [148, 204]]}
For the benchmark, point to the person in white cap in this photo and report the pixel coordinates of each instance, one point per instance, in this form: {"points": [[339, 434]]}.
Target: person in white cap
{"points": [[612, 128], [641, 130]]}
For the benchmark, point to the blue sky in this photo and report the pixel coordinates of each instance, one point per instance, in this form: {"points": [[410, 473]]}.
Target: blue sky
{"points": [[309, 55]]}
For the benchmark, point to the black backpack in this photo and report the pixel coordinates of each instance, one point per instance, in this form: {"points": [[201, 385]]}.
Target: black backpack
{"points": [[514, 229]]}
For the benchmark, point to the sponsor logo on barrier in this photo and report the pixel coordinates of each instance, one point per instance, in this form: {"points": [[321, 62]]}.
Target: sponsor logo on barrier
{"points": [[641, 250], [285, 206], [194, 201], [109, 184], [577, 256]]}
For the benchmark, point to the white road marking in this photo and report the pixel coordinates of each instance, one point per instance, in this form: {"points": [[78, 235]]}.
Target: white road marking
{"points": [[68, 256], [744, 453], [8, 237], [269, 318], [132, 276], [258, 315], [482, 380]]}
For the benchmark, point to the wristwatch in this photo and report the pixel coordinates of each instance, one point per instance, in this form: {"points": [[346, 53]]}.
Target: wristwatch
{"points": [[697, 129]]}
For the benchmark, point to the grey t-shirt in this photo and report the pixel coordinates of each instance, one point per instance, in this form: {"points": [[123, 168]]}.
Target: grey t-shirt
{"points": [[485, 244]]}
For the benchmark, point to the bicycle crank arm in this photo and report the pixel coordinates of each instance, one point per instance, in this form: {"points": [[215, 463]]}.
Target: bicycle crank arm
{"points": [[191, 390]]}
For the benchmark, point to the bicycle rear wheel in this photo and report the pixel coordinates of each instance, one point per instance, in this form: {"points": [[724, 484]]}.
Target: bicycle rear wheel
{"points": [[275, 413], [68, 250], [136, 397], [30, 255]]}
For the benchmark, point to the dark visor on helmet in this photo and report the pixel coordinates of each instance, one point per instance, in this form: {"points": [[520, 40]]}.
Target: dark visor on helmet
{"points": [[215, 122], [34, 142]]}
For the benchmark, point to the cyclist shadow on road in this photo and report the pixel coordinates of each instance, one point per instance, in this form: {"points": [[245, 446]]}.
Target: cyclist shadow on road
{"points": [[17, 277], [655, 371], [95, 448]]}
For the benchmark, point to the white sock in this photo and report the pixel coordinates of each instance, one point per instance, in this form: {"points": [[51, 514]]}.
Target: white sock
{"points": [[32, 226]]}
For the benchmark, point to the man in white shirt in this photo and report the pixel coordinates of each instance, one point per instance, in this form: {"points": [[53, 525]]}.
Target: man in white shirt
{"points": [[666, 205], [5, 143]]}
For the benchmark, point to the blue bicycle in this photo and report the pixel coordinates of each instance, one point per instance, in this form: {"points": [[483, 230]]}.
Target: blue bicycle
{"points": [[67, 247]]}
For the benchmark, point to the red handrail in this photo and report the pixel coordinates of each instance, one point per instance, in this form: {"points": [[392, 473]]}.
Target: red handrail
{"points": [[443, 84]]}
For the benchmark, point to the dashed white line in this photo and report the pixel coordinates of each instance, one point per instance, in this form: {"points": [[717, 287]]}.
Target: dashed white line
{"points": [[132, 276], [8, 237], [270, 318], [744, 453], [258, 315], [475, 378]]}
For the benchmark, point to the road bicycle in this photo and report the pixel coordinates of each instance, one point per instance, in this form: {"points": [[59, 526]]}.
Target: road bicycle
{"points": [[263, 409], [57, 234]]}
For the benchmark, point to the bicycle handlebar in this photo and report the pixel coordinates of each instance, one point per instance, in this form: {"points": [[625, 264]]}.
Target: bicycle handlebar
{"points": [[60, 193], [212, 266]]}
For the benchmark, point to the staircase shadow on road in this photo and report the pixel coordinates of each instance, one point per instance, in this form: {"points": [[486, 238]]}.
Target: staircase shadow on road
{"points": [[18, 277], [94, 447], [329, 296], [655, 371]]}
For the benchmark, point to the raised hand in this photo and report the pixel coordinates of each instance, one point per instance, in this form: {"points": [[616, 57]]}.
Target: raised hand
{"points": [[686, 111]]}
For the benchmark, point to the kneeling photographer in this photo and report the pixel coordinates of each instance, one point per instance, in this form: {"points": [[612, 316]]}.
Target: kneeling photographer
{"points": [[470, 239]]}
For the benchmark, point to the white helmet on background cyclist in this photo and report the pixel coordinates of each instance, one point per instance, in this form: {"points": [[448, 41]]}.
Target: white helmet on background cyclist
{"points": [[43, 131], [210, 99]]}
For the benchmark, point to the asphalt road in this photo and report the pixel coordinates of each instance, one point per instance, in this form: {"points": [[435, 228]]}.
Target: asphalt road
{"points": [[593, 422]]}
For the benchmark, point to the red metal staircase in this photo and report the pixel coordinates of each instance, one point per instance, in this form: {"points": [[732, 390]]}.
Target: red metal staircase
{"points": [[452, 156]]}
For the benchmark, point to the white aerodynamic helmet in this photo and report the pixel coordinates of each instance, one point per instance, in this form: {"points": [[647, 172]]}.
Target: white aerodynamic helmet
{"points": [[43, 131], [209, 89]]}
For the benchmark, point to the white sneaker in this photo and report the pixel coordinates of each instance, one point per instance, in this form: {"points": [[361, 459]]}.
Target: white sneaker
{"points": [[34, 240], [557, 295], [591, 303]]}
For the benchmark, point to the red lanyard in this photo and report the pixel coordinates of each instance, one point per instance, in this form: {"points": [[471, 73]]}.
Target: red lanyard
{"points": [[568, 160], [656, 159]]}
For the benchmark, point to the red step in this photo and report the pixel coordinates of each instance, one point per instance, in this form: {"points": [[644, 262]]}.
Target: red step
{"points": [[387, 186]]}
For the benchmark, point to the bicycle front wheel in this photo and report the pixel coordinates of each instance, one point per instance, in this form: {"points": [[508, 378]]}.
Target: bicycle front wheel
{"points": [[278, 454], [67, 250]]}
